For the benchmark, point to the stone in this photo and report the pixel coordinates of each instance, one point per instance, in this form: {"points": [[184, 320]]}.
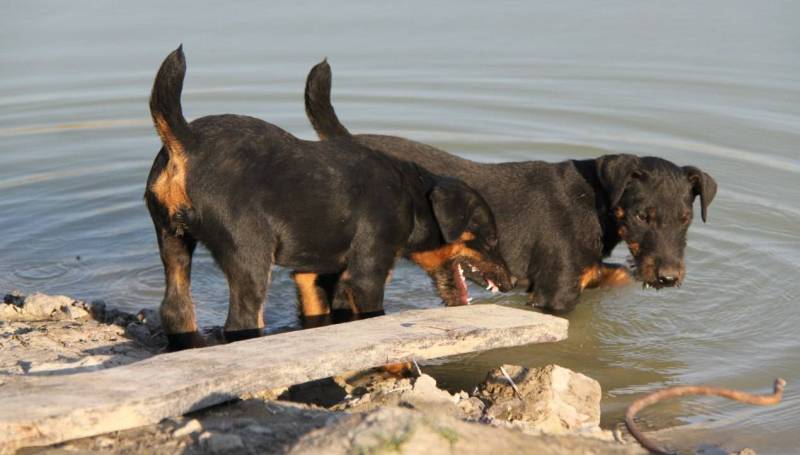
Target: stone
{"points": [[222, 442], [554, 399], [138, 332], [150, 319], [407, 431], [73, 311], [189, 428]]}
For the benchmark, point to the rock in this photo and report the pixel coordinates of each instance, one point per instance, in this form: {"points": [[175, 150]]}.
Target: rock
{"points": [[150, 319], [407, 431], [556, 399], [74, 311], [419, 393], [259, 429], [42, 307], [221, 443], [138, 332], [471, 408], [190, 427], [98, 309]]}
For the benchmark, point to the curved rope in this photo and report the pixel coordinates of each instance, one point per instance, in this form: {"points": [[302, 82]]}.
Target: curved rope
{"points": [[679, 391]]}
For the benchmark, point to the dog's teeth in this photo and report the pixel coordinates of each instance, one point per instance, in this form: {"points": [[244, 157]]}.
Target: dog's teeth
{"points": [[474, 269], [469, 300]]}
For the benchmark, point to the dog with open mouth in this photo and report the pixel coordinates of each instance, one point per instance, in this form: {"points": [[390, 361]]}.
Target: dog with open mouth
{"points": [[558, 221], [256, 196]]}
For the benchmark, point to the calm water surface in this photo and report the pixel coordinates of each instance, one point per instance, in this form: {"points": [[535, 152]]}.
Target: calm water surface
{"points": [[716, 85]]}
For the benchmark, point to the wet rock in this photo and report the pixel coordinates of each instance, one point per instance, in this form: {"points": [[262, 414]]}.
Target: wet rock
{"points": [[150, 319], [98, 309], [554, 399], [138, 332], [190, 427]]}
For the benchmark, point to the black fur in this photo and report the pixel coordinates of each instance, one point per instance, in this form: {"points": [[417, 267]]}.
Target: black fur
{"points": [[557, 221], [256, 196]]}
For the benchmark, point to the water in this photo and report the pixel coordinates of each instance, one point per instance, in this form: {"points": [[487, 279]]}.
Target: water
{"points": [[712, 84]]}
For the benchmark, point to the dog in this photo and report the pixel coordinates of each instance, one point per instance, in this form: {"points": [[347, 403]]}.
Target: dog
{"points": [[256, 196], [557, 221]]}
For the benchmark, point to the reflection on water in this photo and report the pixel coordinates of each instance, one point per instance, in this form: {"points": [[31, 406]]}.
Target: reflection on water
{"points": [[714, 85]]}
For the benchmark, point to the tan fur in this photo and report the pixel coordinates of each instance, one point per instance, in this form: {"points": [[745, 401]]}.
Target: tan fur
{"points": [[310, 302], [600, 275], [433, 260], [170, 186]]}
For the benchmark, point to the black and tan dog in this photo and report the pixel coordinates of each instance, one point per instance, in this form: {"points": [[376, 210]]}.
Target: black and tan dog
{"points": [[557, 221], [255, 196]]}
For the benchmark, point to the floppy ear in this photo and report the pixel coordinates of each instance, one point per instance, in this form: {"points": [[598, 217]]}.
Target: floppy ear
{"points": [[703, 185], [451, 209], [614, 172]]}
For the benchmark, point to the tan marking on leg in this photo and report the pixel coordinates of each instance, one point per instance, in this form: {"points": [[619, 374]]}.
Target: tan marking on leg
{"points": [[634, 247], [619, 213], [170, 186], [590, 276], [601, 275], [310, 302]]}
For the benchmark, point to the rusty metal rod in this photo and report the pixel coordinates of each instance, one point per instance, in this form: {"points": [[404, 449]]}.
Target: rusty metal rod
{"points": [[679, 391]]}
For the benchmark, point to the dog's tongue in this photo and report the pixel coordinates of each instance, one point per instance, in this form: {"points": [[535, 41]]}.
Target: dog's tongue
{"points": [[461, 282]]}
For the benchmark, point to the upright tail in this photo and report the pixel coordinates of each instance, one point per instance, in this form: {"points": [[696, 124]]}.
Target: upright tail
{"points": [[165, 105], [169, 188], [318, 103]]}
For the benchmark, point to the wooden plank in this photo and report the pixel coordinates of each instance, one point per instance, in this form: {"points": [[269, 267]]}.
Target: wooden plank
{"points": [[46, 410]]}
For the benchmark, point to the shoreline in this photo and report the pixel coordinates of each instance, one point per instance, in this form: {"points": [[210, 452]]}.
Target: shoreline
{"points": [[43, 335]]}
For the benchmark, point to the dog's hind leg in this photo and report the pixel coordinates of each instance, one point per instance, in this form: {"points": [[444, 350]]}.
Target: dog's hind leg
{"points": [[177, 309], [248, 277]]}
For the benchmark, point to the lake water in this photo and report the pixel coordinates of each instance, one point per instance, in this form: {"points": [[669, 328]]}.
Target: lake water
{"points": [[713, 84]]}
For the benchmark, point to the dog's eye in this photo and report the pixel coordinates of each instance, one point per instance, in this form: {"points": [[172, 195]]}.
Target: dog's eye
{"points": [[642, 217], [492, 242]]}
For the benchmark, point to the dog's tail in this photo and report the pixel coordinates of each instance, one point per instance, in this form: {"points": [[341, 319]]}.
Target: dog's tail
{"points": [[318, 103], [165, 106]]}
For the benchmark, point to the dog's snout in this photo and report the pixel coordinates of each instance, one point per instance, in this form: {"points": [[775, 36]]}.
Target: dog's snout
{"points": [[668, 276]]}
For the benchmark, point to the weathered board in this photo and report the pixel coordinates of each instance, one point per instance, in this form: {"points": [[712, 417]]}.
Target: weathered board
{"points": [[47, 410]]}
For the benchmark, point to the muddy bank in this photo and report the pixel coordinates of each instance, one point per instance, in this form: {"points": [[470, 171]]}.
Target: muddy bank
{"points": [[546, 410]]}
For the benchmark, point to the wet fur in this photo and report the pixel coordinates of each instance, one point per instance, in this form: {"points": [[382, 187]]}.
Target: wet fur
{"points": [[557, 221], [257, 196]]}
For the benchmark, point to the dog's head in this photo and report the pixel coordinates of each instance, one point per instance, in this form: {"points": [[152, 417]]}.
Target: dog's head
{"points": [[470, 250], [651, 200]]}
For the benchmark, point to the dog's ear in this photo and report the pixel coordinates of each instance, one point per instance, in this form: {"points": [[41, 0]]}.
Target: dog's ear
{"points": [[451, 208], [615, 171], [702, 185]]}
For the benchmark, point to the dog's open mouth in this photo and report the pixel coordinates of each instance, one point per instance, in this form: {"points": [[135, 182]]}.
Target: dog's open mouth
{"points": [[463, 270]]}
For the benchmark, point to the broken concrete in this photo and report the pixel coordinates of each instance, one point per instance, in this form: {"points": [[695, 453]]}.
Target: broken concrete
{"points": [[553, 399]]}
